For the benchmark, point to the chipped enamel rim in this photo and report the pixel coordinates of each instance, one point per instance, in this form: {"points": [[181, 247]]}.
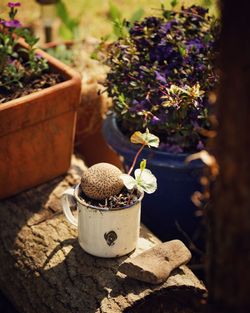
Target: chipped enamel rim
{"points": [[81, 201]]}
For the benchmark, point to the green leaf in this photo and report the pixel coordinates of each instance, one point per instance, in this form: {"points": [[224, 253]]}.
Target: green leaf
{"points": [[166, 13], [137, 15], [64, 32], [182, 51], [62, 11], [69, 25], [137, 138], [118, 28], [121, 98], [146, 139], [114, 13], [174, 3], [143, 164]]}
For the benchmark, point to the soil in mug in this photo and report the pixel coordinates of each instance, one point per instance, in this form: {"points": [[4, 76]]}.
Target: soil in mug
{"points": [[123, 199], [48, 79]]}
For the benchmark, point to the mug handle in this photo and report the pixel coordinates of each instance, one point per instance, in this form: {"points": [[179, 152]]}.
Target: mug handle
{"points": [[67, 199]]}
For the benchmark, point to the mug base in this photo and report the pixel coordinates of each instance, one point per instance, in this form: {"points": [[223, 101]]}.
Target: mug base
{"points": [[107, 255]]}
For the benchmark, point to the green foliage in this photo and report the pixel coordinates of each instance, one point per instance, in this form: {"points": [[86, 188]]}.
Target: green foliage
{"points": [[62, 53], [174, 3], [161, 75], [207, 3], [69, 29], [17, 64], [136, 16], [121, 26], [120, 29]]}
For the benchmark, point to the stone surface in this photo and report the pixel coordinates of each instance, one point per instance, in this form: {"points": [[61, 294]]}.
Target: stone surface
{"points": [[101, 181], [44, 270], [156, 264]]}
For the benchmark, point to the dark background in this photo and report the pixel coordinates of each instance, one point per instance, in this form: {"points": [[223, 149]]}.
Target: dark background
{"points": [[5, 306]]}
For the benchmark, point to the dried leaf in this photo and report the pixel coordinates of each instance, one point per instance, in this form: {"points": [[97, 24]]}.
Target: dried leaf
{"points": [[146, 139]]}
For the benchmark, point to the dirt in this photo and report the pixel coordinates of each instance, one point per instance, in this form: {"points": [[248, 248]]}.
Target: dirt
{"points": [[47, 80], [123, 199]]}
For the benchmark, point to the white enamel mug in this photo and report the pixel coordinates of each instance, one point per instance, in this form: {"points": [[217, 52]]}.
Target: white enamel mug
{"points": [[101, 232]]}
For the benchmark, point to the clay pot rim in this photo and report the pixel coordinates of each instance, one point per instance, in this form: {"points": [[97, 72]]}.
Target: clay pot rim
{"points": [[71, 77], [121, 144]]}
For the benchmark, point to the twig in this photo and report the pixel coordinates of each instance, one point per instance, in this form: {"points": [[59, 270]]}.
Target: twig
{"points": [[135, 159], [191, 243]]}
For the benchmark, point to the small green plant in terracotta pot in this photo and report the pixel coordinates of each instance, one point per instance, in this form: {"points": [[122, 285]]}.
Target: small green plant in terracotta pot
{"points": [[38, 100]]}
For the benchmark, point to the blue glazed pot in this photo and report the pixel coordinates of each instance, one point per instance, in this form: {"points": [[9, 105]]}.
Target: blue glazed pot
{"points": [[171, 204]]}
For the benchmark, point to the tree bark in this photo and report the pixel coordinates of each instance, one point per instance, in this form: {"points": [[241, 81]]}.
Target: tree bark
{"points": [[43, 269], [229, 237]]}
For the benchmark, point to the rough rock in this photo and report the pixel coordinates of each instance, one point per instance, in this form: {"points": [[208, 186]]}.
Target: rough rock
{"points": [[155, 265], [101, 181]]}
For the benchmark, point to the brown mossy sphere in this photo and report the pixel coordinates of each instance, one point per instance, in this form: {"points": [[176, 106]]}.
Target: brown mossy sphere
{"points": [[101, 181]]}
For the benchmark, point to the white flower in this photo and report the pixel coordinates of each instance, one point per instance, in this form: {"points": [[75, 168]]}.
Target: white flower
{"points": [[129, 182], [144, 181]]}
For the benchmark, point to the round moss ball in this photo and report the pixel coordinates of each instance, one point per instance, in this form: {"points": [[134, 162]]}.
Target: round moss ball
{"points": [[101, 181]]}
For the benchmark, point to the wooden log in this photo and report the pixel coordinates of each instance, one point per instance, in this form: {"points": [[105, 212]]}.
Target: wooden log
{"points": [[43, 269]]}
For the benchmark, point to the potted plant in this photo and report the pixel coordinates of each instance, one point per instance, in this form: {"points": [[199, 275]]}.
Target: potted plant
{"points": [[109, 204], [38, 100], [160, 78]]}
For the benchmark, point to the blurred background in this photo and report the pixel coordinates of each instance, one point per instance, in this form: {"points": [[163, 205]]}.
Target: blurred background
{"points": [[94, 16]]}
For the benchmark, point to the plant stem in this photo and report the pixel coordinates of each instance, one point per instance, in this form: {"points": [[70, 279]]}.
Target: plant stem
{"points": [[135, 159]]}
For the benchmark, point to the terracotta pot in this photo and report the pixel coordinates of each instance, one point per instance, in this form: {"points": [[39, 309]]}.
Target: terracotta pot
{"points": [[37, 133], [89, 140]]}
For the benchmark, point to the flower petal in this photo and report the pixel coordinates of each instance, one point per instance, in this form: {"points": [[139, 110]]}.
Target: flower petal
{"points": [[129, 181], [146, 180]]}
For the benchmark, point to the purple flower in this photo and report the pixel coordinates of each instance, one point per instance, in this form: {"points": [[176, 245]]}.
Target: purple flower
{"points": [[14, 4], [160, 77], [137, 30], [155, 120], [38, 56], [195, 44], [201, 11], [162, 51], [12, 24], [137, 107], [165, 28], [200, 146], [152, 21]]}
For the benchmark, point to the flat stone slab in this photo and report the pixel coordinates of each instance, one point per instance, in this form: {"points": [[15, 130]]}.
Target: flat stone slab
{"points": [[156, 264]]}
